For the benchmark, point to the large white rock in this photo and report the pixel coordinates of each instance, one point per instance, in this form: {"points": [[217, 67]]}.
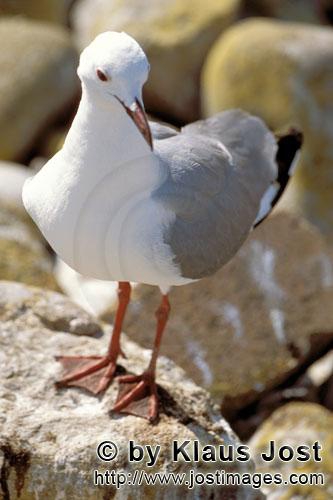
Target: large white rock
{"points": [[12, 178], [48, 438], [37, 81]]}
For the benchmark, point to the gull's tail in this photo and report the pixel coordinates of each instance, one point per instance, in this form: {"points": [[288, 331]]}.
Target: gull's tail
{"points": [[287, 156]]}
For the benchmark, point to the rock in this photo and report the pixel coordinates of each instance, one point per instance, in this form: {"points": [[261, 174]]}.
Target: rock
{"points": [[320, 371], [53, 142], [95, 296], [258, 320], [321, 375], [50, 310], [37, 81], [48, 10], [18, 232], [312, 384], [326, 10], [306, 11], [294, 425], [295, 388], [37, 163], [22, 253], [12, 178], [328, 393], [48, 438], [176, 36], [295, 90], [263, 8]]}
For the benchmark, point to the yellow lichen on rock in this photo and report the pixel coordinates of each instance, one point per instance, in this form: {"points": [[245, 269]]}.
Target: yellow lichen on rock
{"points": [[23, 256], [282, 72], [294, 425], [45, 10], [37, 81]]}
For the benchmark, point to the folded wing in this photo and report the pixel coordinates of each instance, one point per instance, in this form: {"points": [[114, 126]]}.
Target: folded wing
{"points": [[218, 171]]}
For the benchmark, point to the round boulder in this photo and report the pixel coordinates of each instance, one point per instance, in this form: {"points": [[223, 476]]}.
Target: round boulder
{"points": [[293, 426], [37, 81], [47, 10]]}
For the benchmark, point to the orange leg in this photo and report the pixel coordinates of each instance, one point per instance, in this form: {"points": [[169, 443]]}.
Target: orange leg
{"points": [[95, 373], [138, 393]]}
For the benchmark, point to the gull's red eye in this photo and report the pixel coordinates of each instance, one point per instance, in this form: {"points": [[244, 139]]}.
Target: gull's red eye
{"points": [[102, 76]]}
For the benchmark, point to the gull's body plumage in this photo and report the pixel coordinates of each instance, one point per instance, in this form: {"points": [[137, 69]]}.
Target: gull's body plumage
{"points": [[93, 201], [115, 210], [126, 200]]}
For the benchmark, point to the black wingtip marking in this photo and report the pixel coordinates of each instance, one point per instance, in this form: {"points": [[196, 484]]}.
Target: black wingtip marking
{"points": [[288, 145]]}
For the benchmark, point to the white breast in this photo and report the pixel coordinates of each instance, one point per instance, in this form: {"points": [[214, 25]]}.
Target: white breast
{"points": [[106, 225], [93, 201]]}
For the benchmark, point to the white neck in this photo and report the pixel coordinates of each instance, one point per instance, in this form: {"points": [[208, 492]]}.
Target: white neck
{"points": [[103, 129]]}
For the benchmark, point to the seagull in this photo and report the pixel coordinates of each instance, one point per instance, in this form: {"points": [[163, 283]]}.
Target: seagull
{"points": [[130, 200]]}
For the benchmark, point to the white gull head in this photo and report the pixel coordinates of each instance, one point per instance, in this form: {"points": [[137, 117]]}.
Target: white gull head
{"points": [[115, 66]]}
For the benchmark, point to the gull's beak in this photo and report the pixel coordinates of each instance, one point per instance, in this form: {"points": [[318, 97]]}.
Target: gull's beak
{"points": [[138, 115]]}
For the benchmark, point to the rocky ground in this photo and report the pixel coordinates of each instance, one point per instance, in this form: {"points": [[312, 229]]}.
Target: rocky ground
{"points": [[48, 437], [258, 336]]}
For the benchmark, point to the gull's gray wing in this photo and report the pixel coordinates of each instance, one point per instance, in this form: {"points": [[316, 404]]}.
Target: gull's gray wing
{"points": [[218, 171], [288, 147], [161, 131]]}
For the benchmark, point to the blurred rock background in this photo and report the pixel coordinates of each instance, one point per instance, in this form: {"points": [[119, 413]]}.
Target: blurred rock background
{"points": [[259, 334]]}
